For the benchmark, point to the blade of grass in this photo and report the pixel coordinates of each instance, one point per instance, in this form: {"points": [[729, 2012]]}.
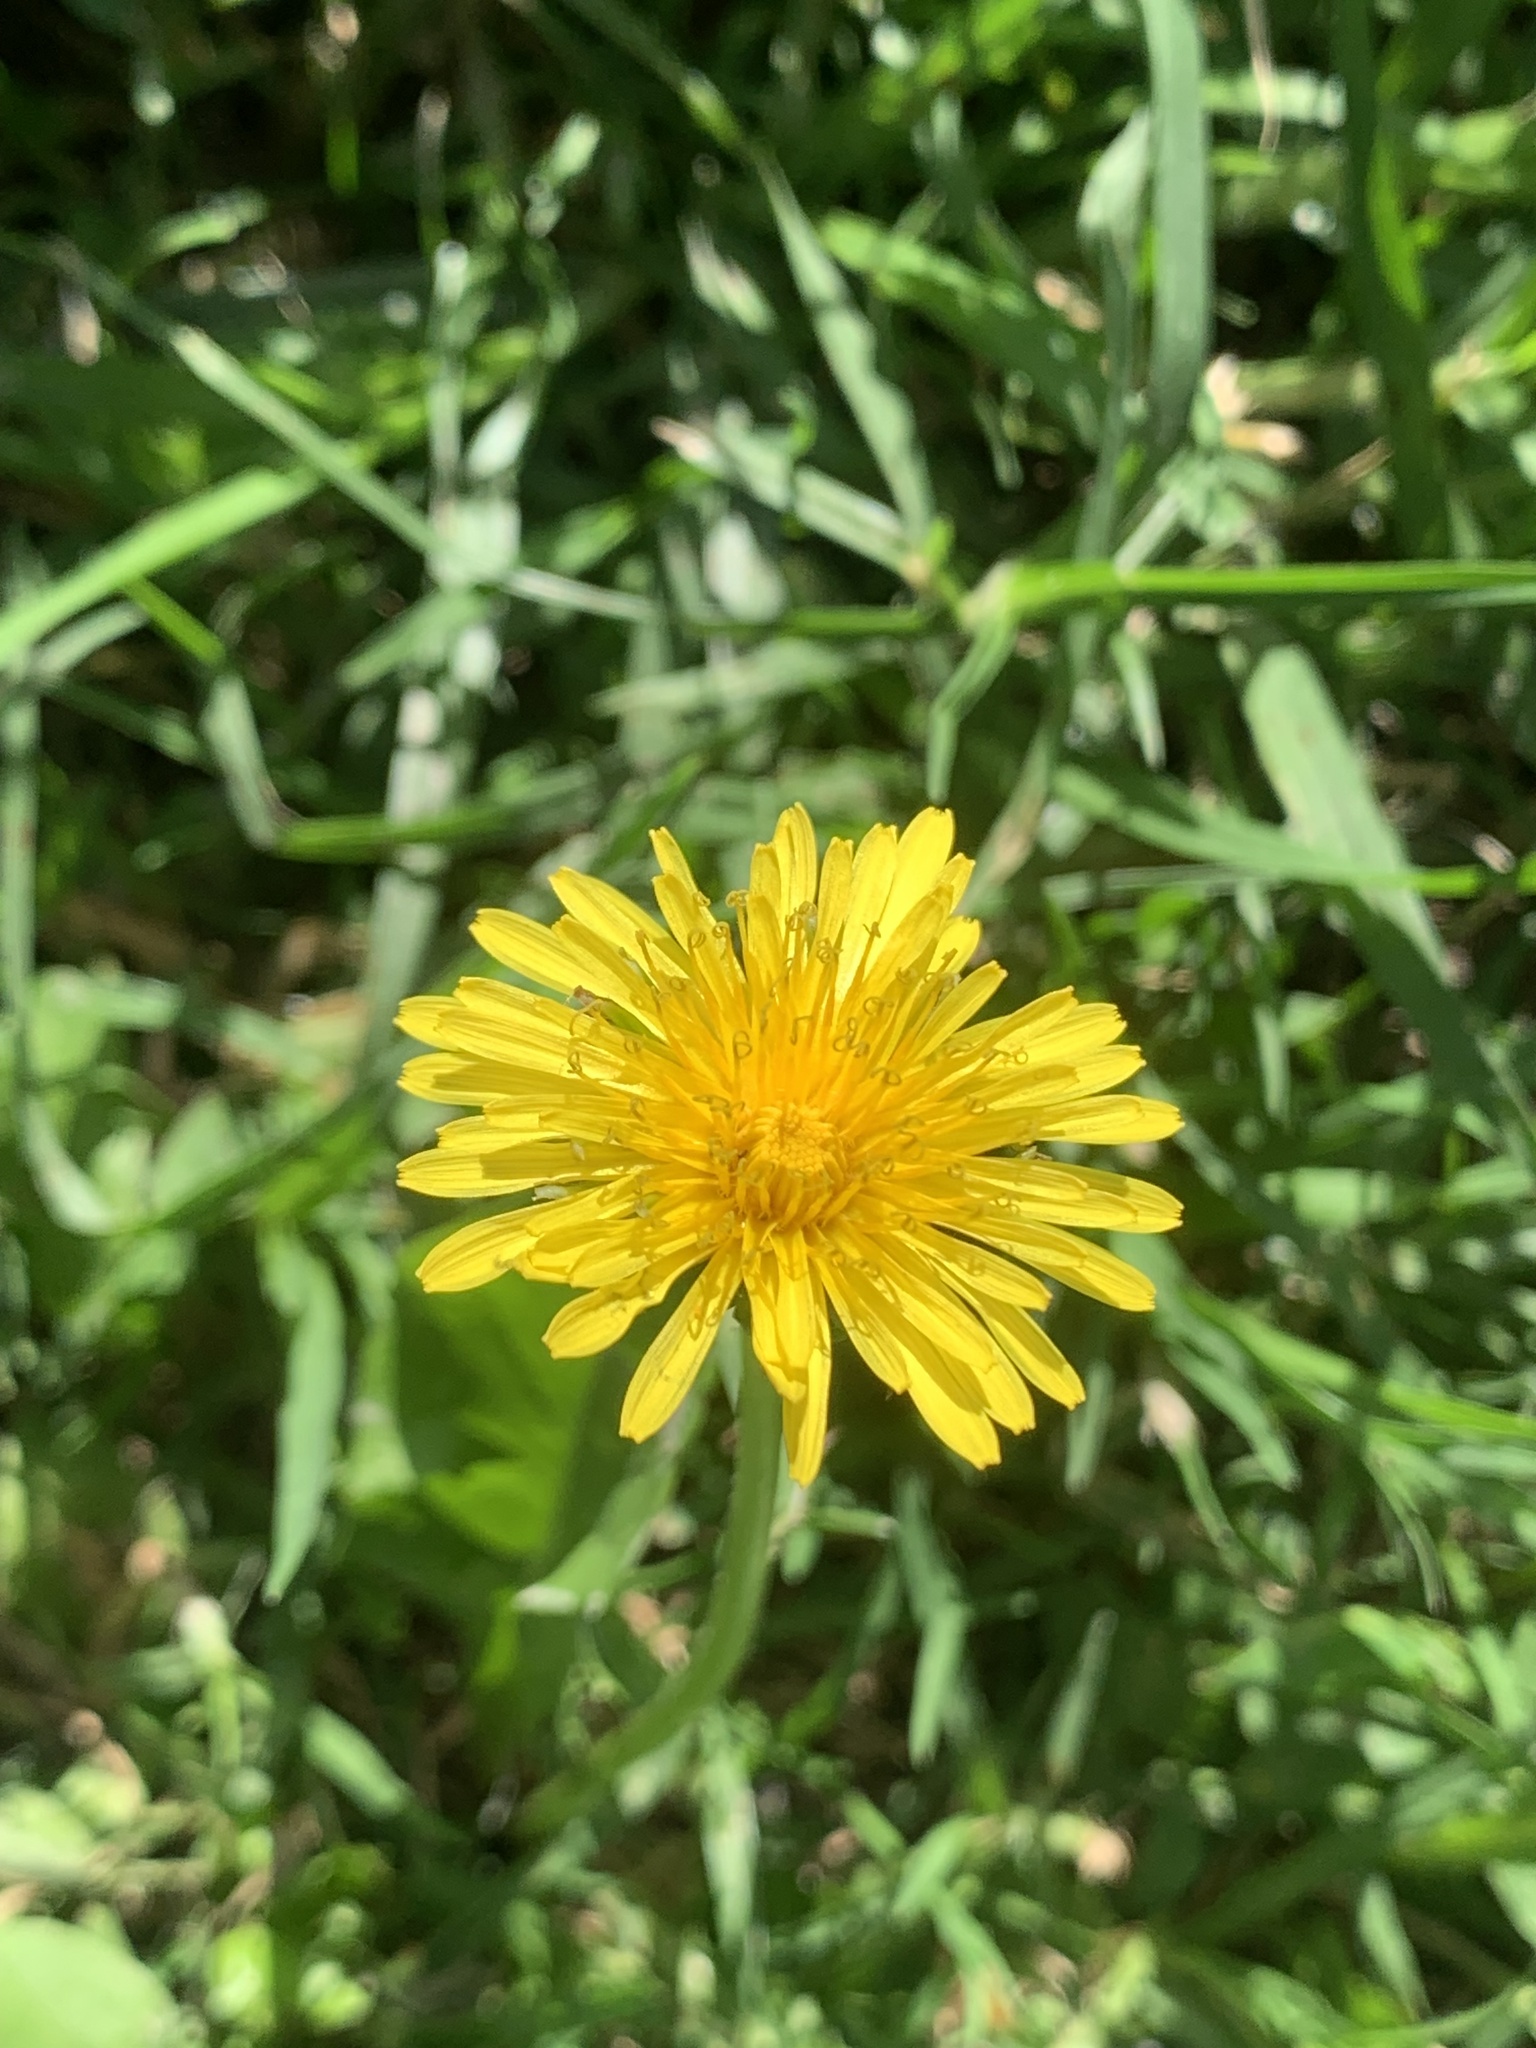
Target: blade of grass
{"points": [[1423, 48], [1181, 213], [1039, 590], [847, 341], [1382, 272], [997, 319], [20, 731], [227, 722], [1109, 222], [347, 465], [438, 716], [735, 453], [972, 677], [1331, 806], [1323, 786], [1227, 843], [303, 1292], [1072, 1717]]}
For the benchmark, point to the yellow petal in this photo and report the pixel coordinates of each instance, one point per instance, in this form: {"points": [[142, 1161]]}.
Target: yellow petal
{"points": [[593, 1322], [1112, 1120], [964, 1429], [671, 1365], [1079, 1196], [605, 971], [592, 1239], [1009, 1400], [462, 1172], [762, 946], [922, 1301], [425, 1017], [955, 944], [832, 901], [764, 878], [1034, 1017], [1069, 1034], [608, 913], [883, 1348], [671, 859], [444, 1077], [492, 1021], [794, 846], [921, 854], [1042, 1083], [869, 885], [1024, 1342], [707, 943], [961, 1356], [1072, 1260], [783, 1297], [907, 945], [529, 949], [948, 1396], [972, 1270], [471, 1256], [805, 1420]]}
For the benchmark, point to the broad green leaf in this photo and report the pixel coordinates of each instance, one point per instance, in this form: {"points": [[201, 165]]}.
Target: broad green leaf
{"points": [[501, 1504], [1421, 1653], [1514, 1886], [377, 1465], [202, 1142], [490, 1419], [65, 1987], [42, 1841], [596, 1564]]}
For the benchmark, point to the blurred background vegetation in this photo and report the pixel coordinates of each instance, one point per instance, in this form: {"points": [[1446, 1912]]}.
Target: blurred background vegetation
{"points": [[438, 441]]}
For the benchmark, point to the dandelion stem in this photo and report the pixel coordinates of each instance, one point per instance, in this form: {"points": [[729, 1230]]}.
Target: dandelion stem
{"points": [[720, 1647]]}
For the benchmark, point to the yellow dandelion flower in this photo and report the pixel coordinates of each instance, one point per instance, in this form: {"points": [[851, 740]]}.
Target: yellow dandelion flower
{"points": [[814, 1118]]}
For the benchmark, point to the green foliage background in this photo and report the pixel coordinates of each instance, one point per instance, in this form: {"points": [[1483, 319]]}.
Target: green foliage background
{"points": [[443, 440]]}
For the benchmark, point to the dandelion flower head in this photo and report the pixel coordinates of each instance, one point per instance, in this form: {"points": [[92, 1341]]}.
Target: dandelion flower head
{"points": [[812, 1115]]}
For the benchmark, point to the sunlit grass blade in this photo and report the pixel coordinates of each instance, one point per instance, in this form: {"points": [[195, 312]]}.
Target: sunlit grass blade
{"points": [[847, 341], [1181, 212], [197, 526]]}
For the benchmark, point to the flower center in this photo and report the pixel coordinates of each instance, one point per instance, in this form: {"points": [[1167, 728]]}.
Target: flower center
{"points": [[791, 1164]]}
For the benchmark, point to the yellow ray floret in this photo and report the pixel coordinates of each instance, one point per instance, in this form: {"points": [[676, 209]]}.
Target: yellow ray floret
{"points": [[804, 1109]]}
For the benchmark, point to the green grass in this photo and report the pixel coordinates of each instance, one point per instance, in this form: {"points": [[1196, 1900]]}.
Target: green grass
{"points": [[438, 442]]}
